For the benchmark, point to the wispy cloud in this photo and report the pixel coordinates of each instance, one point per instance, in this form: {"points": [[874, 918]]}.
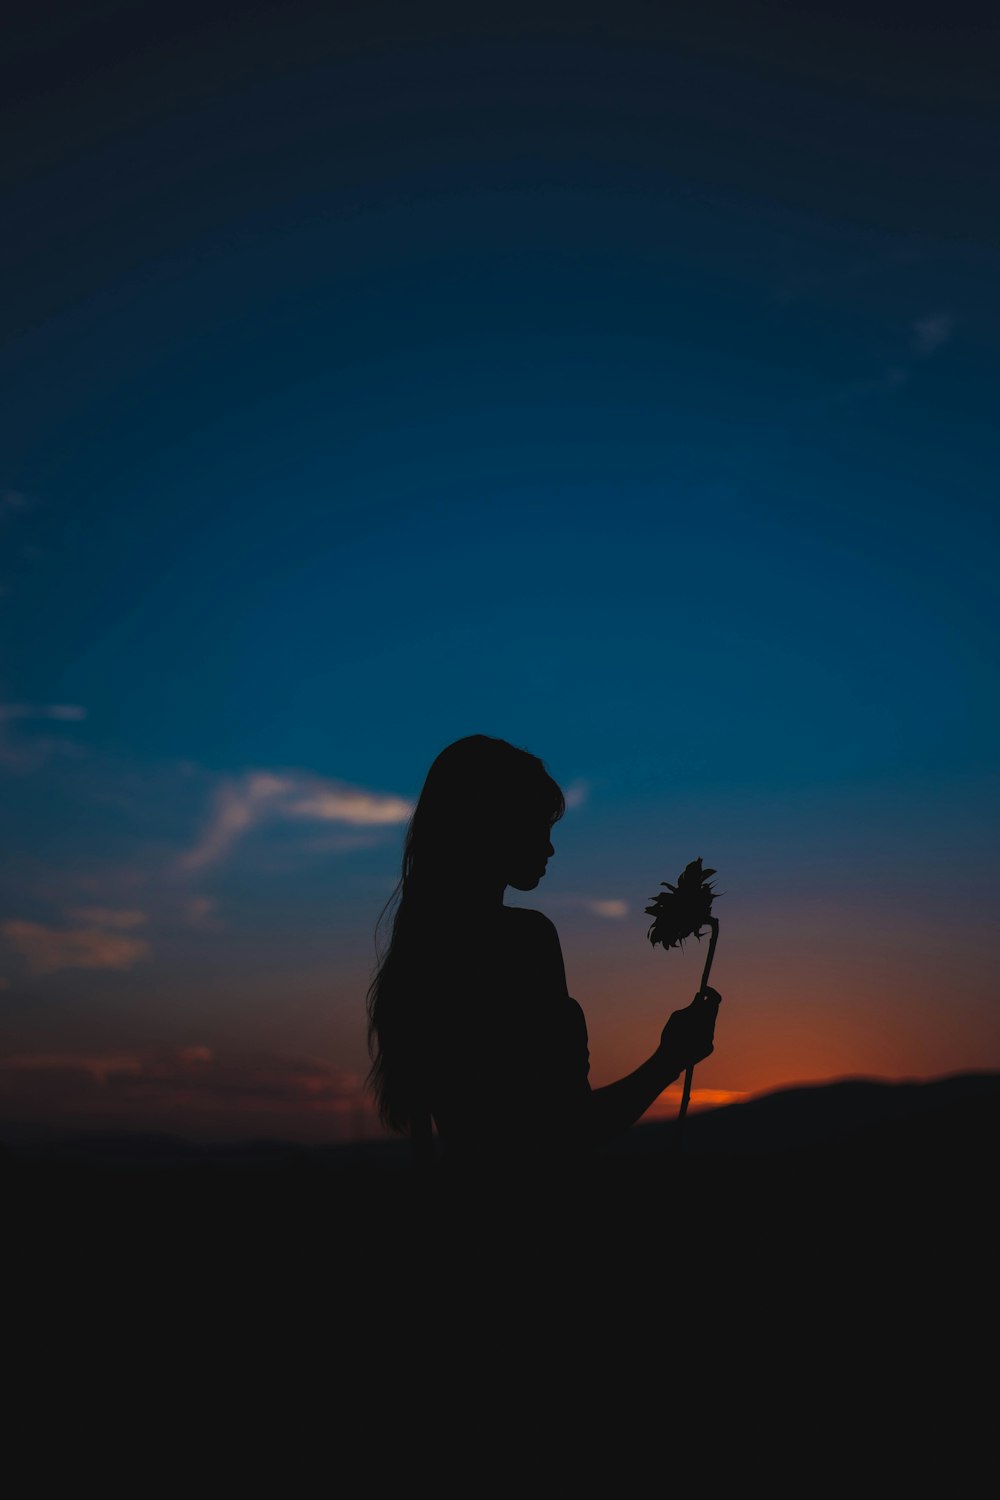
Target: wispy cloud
{"points": [[106, 916], [576, 793], [611, 909], [31, 754], [46, 949], [97, 1066], [192, 1086], [350, 805], [12, 502], [927, 335], [42, 711], [242, 803], [200, 911], [931, 332]]}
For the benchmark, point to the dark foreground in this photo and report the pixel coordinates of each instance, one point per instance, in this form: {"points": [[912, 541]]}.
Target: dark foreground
{"points": [[858, 1156], [817, 1251]]}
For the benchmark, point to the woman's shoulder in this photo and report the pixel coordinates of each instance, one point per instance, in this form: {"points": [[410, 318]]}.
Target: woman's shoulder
{"points": [[534, 929], [540, 946], [530, 918]]}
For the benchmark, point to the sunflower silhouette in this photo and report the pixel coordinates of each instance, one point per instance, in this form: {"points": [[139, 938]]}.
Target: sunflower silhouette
{"points": [[684, 908], [680, 912]]}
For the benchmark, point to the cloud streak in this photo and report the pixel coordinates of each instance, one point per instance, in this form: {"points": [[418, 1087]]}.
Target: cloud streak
{"points": [[194, 1086], [932, 332], [48, 949], [33, 753], [244, 802], [42, 711], [104, 916], [927, 335], [609, 908], [97, 1066], [613, 910], [12, 502], [200, 911], [576, 794]]}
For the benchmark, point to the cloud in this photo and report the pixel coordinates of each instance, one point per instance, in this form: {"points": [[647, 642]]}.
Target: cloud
{"points": [[931, 332], [46, 949], [199, 911], [360, 809], [927, 335], [34, 753], [196, 1054], [612, 909], [576, 793], [238, 805], [195, 1086], [42, 711], [12, 504], [97, 1066], [13, 501], [105, 916], [241, 803]]}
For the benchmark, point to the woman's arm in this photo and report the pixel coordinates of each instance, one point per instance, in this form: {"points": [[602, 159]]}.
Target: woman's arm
{"points": [[686, 1040]]}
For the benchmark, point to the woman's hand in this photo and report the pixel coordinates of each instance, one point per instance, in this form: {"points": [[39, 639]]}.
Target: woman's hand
{"points": [[688, 1036]]}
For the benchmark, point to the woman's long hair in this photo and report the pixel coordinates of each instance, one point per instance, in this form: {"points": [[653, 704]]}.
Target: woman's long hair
{"points": [[475, 792]]}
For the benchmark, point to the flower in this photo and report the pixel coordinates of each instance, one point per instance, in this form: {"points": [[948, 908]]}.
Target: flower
{"points": [[681, 913]]}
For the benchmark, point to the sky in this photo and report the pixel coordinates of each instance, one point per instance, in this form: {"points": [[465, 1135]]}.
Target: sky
{"points": [[619, 381]]}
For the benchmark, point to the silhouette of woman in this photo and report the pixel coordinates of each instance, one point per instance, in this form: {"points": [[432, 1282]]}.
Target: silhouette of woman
{"points": [[470, 1023]]}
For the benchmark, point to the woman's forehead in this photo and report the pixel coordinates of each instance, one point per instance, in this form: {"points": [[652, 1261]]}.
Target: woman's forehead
{"points": [[533, 817]]}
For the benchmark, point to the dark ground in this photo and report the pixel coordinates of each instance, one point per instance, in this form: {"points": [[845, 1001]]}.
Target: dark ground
{"points": [[822, 1256], [842, 1152]]}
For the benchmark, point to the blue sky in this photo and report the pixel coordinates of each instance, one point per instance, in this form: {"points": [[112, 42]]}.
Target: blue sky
{"points": [[623, 387]]}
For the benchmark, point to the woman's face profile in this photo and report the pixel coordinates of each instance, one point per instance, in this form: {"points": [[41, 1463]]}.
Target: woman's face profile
{"points": [[526, 853]]}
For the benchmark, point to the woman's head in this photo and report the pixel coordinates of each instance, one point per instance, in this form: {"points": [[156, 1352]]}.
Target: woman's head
{"points": [[484, 813]]}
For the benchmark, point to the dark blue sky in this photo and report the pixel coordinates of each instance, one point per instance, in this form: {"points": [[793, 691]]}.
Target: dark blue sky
{"points": [[617, 383]]}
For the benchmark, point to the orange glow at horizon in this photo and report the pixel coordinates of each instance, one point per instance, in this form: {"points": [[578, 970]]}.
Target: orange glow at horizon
{"points": [[805, 1000], [668, 1103]]}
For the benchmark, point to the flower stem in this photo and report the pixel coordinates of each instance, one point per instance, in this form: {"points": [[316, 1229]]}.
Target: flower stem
{"points": [[713, 922]]}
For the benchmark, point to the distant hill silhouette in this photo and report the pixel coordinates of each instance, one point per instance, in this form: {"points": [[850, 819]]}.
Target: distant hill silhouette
{"points": [[850, 1117], [853, 1120], [838, 1195]]}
